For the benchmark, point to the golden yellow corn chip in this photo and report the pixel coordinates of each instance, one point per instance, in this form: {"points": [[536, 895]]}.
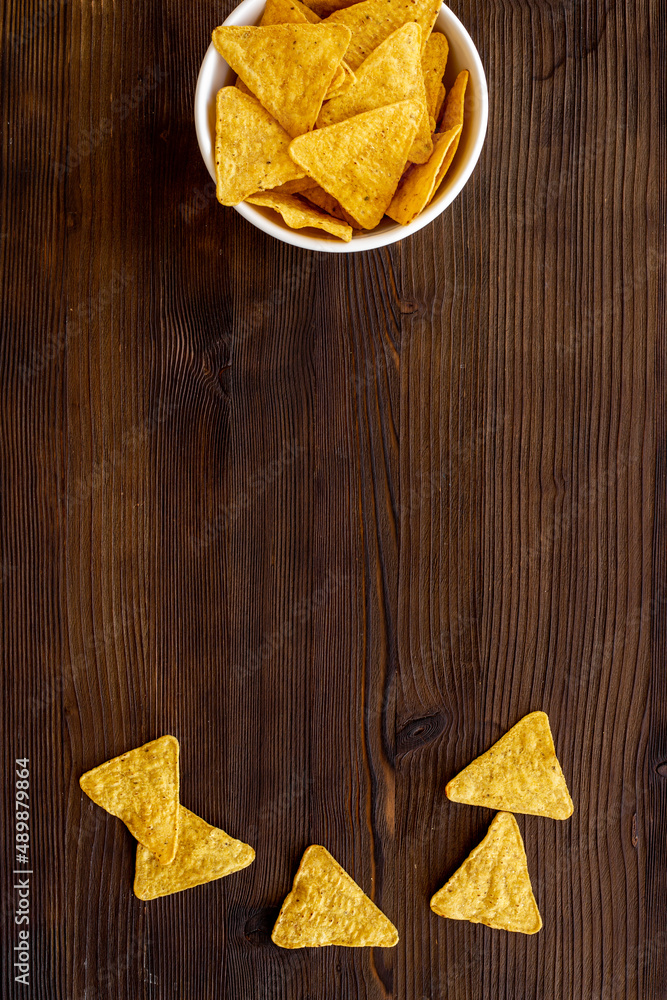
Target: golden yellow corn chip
{"points": [[337, 82], [289, 67], [392, 73], [434, 63], [342, 81], [492, 886], [419, 184], [326, 7], [520, 773], [251, 148], [287, 12], [294, 187], [318, 196], [242, 87], [453, 116], [298, 214], [371, 21], [327, 907], [360, 161], [440, 98], [204, 854], [141, 788]]}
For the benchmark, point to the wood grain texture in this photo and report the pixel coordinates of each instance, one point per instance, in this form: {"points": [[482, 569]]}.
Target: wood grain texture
{"points": [[336, 523]]}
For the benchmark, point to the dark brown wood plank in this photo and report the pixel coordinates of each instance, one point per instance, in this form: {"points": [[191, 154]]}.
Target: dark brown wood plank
{"points": [[526, 571], [32, 435]]}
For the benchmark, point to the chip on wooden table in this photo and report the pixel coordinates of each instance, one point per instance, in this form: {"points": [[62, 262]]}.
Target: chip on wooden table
{"points": [[371, 21], [327, 907], [288, 67], [360, 161], [434, 64], [391, 73], [520, 773], [251, 148], [204, 853], [452, 115], [297, 214], [420, 182], [492, 886], [141, 788]]}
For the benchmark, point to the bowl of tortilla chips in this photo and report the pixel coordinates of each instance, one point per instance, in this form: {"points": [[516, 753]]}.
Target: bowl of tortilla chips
{"points": [[340, 128]]}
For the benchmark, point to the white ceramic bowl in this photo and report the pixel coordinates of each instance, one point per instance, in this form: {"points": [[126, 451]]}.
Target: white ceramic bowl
{"points": [[215, 73]]}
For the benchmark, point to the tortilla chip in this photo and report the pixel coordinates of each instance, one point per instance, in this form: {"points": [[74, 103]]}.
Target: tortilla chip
{"points": [[326, 7], [434, 63], [287, 12], [360, 161], [242, 87], [289, 67], [392, 73], [141, 788], [341, 83], [371, 21], [298, 214], [204, 854], [318, 196], [440, 97], [251, 149], [452, 116], [327, 907], [419, 184], [336, 83], [294, 187], [492, 886], [520, 773]]}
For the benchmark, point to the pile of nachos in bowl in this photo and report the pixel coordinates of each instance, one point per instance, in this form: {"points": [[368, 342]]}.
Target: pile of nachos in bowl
{"points": [[339, 117]]}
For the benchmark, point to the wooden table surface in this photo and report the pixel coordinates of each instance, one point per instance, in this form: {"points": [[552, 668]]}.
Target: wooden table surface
{"points": [[336, 522]]}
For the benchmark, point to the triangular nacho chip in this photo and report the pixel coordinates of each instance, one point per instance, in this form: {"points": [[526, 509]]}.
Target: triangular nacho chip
{"points": [[141, 788], [419, 184], [289, 67], [434, 63], [342, 81], [318, 196], [297, 214], [327, 907], [287, 12], [492, 886], [393, 72], [251, 148], [204, 853], [452, 116], [294, 187], [520, 773], [371, 21], [360, 161], [326, 7]]}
